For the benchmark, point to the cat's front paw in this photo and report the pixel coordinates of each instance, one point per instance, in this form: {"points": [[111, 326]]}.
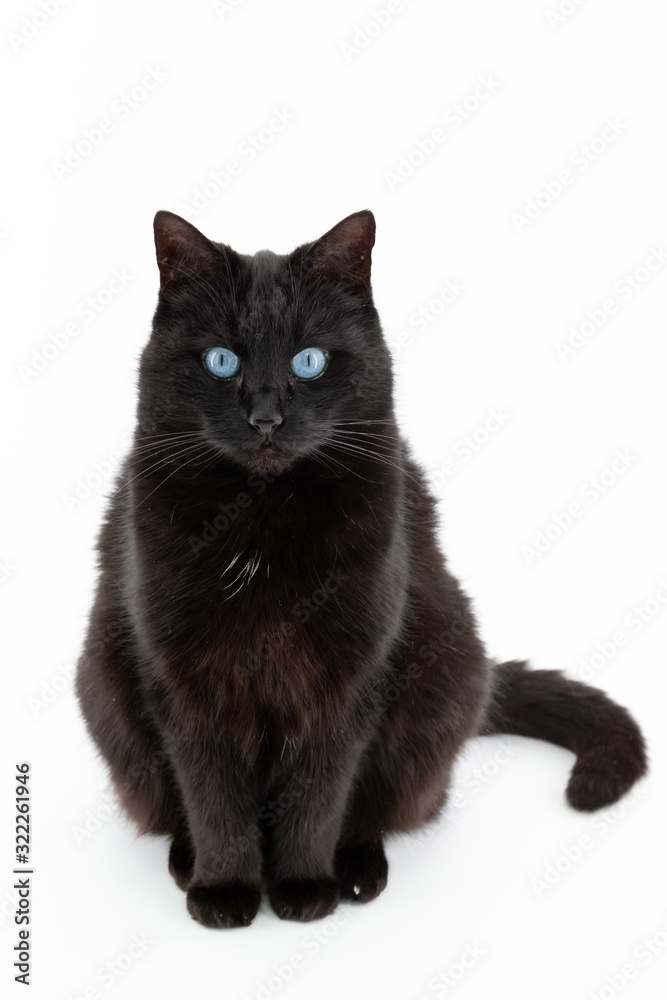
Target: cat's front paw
{"points": [[304, 899], [233, 905], [362, 870]]}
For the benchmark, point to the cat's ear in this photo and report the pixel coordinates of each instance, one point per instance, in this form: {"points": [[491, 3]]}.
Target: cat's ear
{"points": [[344, 253], [182, 251]]}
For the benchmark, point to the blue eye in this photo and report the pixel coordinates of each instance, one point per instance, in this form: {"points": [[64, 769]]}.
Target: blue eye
{"points": [[221, 362], [309, 363]]}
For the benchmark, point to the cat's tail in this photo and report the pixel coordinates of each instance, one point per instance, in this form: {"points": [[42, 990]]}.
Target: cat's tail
{"points": [[610, 749]]}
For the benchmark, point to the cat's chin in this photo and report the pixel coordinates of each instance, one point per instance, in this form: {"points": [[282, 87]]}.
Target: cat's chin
{"points": [[269, 460]]}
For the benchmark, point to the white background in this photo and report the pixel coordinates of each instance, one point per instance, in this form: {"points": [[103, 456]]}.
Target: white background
{"points": [[473, 882]]}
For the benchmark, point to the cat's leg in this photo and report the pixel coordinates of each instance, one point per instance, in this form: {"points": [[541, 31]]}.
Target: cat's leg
{"points": [[430, 702], [396, 790], [311, 795], [222, 852], [215, 852]]}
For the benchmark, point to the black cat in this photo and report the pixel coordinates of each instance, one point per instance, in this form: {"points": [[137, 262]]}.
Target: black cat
{"points": [[279, 669]]}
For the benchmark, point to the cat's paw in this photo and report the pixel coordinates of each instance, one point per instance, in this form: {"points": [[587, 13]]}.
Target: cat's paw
{"points": [[181, 863], [362, 870], [306, 899], [224, 905]]}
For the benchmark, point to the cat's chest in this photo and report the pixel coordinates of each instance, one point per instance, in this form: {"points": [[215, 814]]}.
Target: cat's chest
{"points": [[274, 602], [249, 606], [272, 659], [271, 618], [269, 627]]}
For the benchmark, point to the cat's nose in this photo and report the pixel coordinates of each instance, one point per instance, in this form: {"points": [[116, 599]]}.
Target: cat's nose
{"points": [[265, 422]]}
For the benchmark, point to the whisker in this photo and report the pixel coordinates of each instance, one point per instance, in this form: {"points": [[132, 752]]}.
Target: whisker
{"points": [[371, 446], [361, 449], [320, 459], [349, 432], [165, 460], [337, 462], [207, 447], [161, 435], [354, 449], [347, 422], [166, 442], [382, 443]]}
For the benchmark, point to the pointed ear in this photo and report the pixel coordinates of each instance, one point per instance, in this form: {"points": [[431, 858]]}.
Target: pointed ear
{"points": [[181, 250], [344, 253]]}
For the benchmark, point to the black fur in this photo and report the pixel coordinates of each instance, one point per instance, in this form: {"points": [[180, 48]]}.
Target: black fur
{"points": [[279, 668]]}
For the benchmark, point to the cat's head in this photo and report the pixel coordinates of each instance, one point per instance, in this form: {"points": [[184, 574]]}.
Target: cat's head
{"points": [[271, 358]]}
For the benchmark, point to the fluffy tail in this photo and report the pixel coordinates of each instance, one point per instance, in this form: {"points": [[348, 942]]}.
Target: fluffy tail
{"points": [[610, 749]]}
